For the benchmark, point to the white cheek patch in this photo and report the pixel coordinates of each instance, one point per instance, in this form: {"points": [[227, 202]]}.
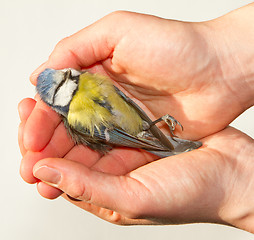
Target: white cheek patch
{"points": [[65, 93], [49, 96]]}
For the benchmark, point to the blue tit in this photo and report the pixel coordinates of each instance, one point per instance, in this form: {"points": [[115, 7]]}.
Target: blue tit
{"points": [[99, 115]]}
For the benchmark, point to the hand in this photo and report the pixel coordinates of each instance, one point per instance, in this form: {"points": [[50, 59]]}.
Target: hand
{"points": [[205, 185], [158, 63]]}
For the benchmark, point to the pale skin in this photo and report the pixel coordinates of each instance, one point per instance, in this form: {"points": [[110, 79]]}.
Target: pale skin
{"points": [[200, 73]]}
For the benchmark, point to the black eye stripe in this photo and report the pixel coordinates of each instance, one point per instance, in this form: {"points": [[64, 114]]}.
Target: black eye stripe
{"points": [[58, 88], [75, 79]]}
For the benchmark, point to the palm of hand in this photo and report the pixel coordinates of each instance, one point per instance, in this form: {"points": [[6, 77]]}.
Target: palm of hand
{"points": [[184, 82]]}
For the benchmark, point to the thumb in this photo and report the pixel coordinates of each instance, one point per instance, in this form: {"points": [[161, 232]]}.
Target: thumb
{"points": [[118, 193]]}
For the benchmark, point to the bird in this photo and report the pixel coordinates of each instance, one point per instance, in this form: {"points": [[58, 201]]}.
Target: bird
{"points": [[98, 114]]}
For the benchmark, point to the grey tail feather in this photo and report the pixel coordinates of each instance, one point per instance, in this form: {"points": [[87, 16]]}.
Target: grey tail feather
{"points": [[180, 146]]}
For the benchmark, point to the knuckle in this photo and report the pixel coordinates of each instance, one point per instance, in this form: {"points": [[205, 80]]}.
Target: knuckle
{"points": [[114, 217], [119, 14], [62, 46], [62, 43], [80, 192]]}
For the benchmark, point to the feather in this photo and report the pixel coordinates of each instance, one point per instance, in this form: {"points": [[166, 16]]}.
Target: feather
{"points": [[101, 116]]}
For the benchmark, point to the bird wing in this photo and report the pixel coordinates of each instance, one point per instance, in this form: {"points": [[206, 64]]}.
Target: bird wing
{"points": [[154, 130], [113, 136]]}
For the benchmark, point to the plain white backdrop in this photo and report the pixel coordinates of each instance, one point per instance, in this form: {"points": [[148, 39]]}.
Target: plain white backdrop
{"points": [[29, 32]]}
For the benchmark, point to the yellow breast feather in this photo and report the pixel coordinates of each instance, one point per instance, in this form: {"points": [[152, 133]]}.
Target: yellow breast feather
{"points": [[96, 103]]}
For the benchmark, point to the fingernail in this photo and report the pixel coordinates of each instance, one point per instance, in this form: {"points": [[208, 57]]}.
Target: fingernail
{"points": [[48, 175]]}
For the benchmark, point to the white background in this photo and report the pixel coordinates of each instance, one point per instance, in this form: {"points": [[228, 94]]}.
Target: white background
{"points": [[29, 31]]}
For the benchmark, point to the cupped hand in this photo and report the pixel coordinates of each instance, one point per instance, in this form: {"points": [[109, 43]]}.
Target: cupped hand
{"points": [[156, 62], [127, 187]]}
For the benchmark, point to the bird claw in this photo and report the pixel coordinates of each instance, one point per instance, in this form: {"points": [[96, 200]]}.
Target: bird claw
{"points": [[170, 121]]}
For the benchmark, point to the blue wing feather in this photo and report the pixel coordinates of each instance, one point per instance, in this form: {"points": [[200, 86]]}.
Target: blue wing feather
{"points": [[112, 136]]}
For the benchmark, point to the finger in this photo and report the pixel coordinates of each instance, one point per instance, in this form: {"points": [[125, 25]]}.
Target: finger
{"points": [[47, 191], [25, 108], [84, 155], [35, 73], [120, 161], [107, 214], [93, 187], [20, 138], [103, 213], [79, 153], [58, 146], [40, 127]]}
